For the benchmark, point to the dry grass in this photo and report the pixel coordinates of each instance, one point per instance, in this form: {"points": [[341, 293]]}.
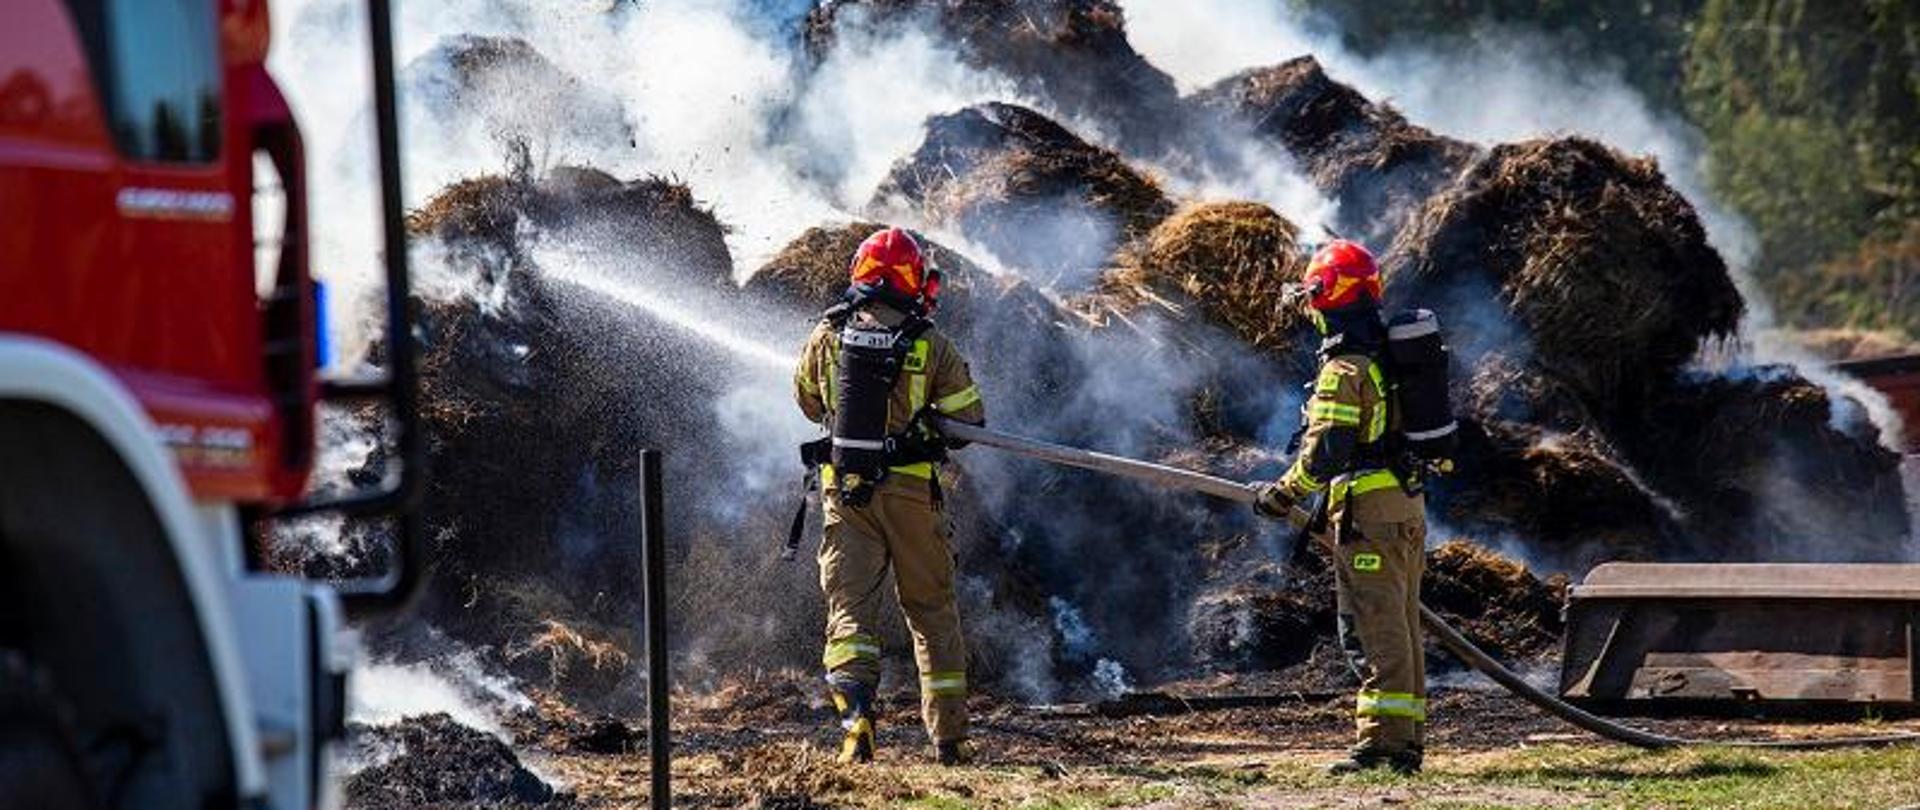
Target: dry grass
{"points": [[1232, 260]]}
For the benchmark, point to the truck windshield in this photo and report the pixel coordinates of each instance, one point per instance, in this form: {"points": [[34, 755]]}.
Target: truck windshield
{"points": [[157, 66]]}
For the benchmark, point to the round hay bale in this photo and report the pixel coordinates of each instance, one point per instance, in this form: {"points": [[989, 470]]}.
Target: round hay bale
{"points": [[1500, 388], [1231, 260], [1365, 155], [654, 226], [1565, 496], [1773, 468], [1599, 265], [1071, 54], [1025, 188]]}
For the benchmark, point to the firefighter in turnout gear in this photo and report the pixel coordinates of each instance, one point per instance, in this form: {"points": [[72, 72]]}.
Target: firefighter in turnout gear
{"points": [[869, 372], [1373, 520]]}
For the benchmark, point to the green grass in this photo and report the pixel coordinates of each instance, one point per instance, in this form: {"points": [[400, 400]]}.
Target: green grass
{"points": [[1556, 775]]}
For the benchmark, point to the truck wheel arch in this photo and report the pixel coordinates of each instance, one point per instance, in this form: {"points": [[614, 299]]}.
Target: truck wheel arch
{"points": [[55, 397]]}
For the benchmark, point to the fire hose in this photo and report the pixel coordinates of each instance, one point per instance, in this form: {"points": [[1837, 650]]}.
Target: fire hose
{"points": [[1449, 638]]}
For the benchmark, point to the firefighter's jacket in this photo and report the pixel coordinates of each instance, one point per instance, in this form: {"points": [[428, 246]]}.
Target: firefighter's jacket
{"points": [[1347, 420], [933, 375]]}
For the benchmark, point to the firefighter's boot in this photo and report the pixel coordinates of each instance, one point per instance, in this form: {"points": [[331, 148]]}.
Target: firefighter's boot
{"points": [[1405, 762], [953, 753], [854, 700]]}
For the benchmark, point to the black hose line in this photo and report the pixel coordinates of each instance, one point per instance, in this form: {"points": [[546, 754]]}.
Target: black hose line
{"points": [[1477, 658], [1164, 476]]}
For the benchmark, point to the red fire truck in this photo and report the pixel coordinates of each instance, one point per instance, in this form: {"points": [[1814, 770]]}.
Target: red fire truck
{"points": [[157, 399]]}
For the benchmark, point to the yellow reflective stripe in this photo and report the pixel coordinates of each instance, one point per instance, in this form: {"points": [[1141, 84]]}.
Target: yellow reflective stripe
{"points": [[1334, 412], [1299, 480], [957, 400], [1362, 484], [1377, 427], [844, 650], [916, 392], [833, 376], [945, 684], [923, 469], [1373, 703], [1379, 381]]}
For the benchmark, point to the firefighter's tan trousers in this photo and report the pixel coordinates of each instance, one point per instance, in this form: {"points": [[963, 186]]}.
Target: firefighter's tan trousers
{"points": [[1378, 565], [903, 529]]}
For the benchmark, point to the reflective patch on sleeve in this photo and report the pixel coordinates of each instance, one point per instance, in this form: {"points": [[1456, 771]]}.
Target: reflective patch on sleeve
{"points": [[1334, 412], [1367, 561], [958, 400]]}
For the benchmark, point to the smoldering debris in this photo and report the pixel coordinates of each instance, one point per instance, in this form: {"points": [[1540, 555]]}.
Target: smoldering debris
{"points": [[1072, 54], [432, 761], [1363, 154], [1287, 622], [1025, 188], [1773, 467]]}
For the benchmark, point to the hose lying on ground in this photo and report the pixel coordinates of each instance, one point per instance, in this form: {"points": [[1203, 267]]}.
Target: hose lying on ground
{"points": [[1448, 637]]}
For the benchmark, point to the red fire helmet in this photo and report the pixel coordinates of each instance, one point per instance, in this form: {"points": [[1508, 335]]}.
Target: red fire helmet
{"points": [[1341, 274], [892, 260]]}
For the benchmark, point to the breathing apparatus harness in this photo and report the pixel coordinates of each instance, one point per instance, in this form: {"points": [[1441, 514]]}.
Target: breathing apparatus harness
{"points": [[858, 447], [1412, 353]]}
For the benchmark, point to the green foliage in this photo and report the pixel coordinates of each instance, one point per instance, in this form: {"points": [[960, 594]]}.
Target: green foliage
{"points": [[1812, 114]]}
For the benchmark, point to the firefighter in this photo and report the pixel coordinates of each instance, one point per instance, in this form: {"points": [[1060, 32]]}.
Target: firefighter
{"points": [[1373, 522], [869, 373]]}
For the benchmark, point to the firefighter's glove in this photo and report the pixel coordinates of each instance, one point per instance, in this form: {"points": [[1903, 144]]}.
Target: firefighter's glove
{"points": [[1277, 503]]}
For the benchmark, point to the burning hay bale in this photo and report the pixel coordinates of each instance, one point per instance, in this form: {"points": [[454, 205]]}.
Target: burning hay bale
{"points": [[1567, 496], [1378, 167], [1230, 260], [516, 93], [647, 227], [1025, 188], [1772, 467], [433, 761], [1073, 54], [1604, 267]]}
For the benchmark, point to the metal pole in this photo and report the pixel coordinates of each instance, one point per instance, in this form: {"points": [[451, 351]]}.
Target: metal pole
{"points": [[653, 565]]}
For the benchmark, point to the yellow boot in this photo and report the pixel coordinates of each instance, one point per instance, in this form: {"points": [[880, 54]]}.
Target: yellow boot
{"points": [[854, 700]]}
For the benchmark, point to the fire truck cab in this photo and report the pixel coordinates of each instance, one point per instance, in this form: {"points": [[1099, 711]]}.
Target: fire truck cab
{"points": [[157, 407]]}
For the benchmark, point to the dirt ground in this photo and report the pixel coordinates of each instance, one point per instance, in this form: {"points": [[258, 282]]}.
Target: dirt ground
{"points": [[1260, 748]]}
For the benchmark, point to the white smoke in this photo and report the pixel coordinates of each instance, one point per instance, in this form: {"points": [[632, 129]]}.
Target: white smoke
{"points": [[382, 692], [1501, 84]]}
